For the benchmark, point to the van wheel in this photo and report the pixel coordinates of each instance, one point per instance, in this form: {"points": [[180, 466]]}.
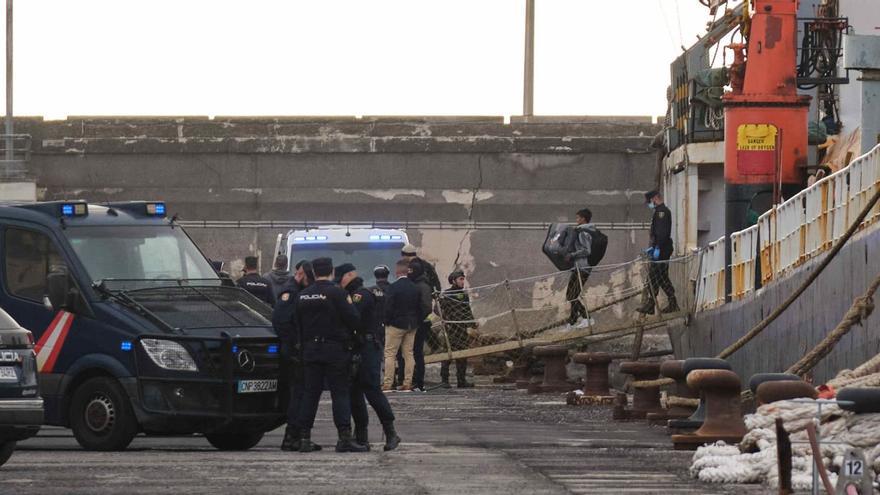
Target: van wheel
{"points": [[6, 449], [234, 440], [101, 415]]}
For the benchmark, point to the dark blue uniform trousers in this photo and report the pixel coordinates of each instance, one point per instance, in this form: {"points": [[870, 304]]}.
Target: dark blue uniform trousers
{"points": [[367, 387], [330, 362]]}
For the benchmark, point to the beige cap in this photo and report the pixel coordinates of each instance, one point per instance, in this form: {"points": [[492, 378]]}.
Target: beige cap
{"points": [[408, 249]]}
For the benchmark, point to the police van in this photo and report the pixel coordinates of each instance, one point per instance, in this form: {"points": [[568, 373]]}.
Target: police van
{"points": [[135, 331], [365, 248]]}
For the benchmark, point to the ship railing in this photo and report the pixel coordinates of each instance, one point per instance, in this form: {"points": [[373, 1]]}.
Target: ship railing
{"points": [[710, 285], [743, 261], [791, 233]]}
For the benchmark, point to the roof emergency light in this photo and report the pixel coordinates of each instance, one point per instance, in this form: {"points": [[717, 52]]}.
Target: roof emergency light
{"points": [[156, 209], [74, 209]]}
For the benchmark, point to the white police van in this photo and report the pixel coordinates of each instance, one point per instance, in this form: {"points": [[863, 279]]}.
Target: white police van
{"points": [[363, 247]]}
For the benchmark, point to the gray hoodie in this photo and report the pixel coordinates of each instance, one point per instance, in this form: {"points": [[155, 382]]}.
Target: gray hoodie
{"points": [[582, 246]]}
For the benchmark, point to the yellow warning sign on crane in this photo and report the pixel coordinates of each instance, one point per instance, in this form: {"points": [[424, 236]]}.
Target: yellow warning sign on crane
{"points": [[756, 137]]}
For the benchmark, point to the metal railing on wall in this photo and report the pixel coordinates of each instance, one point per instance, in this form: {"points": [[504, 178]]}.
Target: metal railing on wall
{"points": [[15, 152], [791, 233]]}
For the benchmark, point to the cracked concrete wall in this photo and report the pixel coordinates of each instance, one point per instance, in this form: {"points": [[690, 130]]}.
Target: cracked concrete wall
{"points": [[371, 169]]}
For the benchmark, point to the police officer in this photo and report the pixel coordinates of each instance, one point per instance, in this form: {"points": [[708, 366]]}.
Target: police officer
{"points": [[660, 251], [367, 386], [327, 322], [381, 274], [455, 304], [252, 282], [291, 363]]}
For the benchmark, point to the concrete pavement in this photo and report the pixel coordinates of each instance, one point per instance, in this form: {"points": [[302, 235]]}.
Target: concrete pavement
{"points": [[484, 440]]}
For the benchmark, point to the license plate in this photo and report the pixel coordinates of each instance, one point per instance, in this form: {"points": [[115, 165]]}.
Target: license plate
{"points": [[252, 386], [7, 373]]}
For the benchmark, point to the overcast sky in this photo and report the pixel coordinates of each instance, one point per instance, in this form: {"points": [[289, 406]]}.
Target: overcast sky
{"points": [[344, 57]]}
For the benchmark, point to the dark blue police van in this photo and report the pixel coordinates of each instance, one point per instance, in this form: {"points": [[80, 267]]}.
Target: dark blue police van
{"points": [[135, 331]]}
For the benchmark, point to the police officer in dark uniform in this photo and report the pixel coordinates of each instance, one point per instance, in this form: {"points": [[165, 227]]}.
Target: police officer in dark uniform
{"points": [[254, 283], [660, 251], [367, 383], [327, 321], [291, 396], [381, 273]]}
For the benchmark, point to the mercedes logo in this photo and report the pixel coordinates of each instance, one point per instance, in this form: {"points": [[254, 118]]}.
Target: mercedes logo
{"points": [[245, 360]]}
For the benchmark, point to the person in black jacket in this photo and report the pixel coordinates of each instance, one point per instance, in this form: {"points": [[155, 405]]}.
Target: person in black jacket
{"points": [[455, 306], [367, 386], [660, 251], [409, 252], [280, 279], [418, 275], [404, 310], [252, 282], [327, 322]]}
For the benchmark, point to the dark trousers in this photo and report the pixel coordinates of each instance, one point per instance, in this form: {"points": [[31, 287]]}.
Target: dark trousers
{"points": [[573, 294], [658, 278], [458, 340], [367, 387], [419, 355], [334, 367], [291, 390]]}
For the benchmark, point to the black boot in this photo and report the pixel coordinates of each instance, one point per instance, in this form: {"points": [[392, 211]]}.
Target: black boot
{"points": [[291, 440], [672, 307], [461, 374], [346, 443], [362, 436], [646, 308], [391, 438], [305, 442]]}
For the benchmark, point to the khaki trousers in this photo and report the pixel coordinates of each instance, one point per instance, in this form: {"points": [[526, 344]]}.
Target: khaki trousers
{"points": [[397, 338]]}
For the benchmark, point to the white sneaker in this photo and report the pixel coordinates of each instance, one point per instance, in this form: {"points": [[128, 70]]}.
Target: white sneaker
{"points": [[584, 323]]}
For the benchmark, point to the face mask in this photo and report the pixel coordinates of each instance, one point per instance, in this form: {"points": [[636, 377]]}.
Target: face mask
{"points": [[651, 206]]}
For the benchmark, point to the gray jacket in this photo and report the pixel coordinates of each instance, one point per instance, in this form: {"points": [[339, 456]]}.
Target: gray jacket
{"points": [[582, 246]]}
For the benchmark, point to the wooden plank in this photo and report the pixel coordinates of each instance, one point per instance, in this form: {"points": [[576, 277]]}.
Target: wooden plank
{"points": [[586, 335]]}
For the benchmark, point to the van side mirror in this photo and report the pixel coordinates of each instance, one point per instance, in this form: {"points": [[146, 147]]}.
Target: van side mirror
{"points": [[58, 288]]}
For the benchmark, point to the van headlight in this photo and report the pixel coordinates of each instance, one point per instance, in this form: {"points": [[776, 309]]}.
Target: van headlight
{"points": [[169, 355]]}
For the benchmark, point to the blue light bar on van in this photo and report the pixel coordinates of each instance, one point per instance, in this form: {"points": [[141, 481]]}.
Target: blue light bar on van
{"points": [[385, 237], [273, 349], [156, 209], [125, 345], [74, 209], [310, 238]]}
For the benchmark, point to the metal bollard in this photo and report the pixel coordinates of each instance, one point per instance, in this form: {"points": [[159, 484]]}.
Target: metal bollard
{"points": [[597, 363], [645, 400], [720, 389], [596, 387], [674, 368], [773, 391], [695, 420], [555, 376], [522, 368]]}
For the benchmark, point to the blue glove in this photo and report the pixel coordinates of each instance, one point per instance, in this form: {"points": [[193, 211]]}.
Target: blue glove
{"points": [[648, 251], [655, 254]]}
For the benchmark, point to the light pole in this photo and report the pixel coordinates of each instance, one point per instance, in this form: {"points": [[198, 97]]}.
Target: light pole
{"points": [[529, 61], [9, 129]]}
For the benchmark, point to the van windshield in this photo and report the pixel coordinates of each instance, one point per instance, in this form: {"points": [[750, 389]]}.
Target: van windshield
{"points": [[364, 256], [138, 253]]}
